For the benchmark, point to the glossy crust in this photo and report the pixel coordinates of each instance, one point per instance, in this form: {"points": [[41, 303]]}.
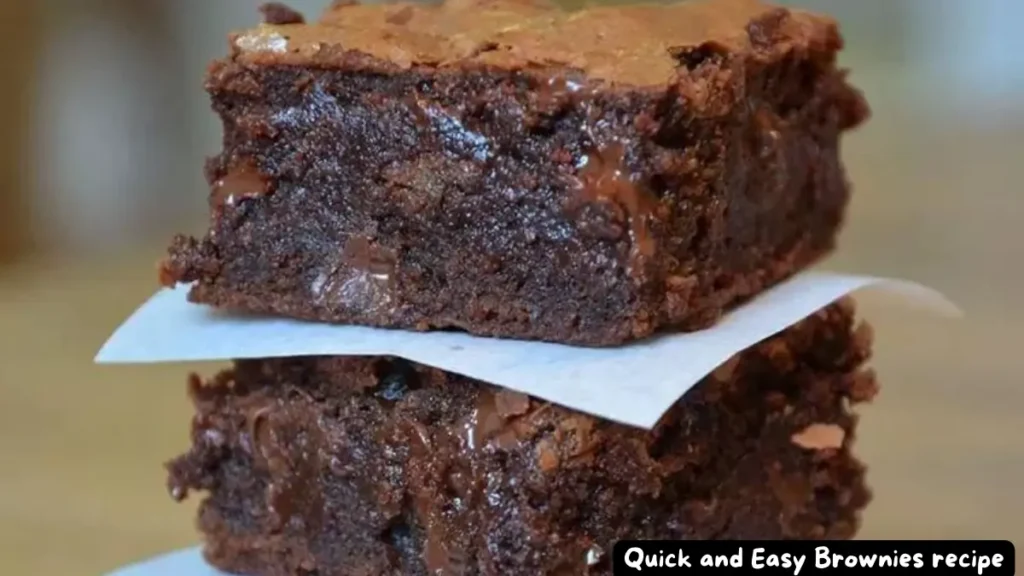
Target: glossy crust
{"points": [[551, 198], [635, 44], [374, 466]]}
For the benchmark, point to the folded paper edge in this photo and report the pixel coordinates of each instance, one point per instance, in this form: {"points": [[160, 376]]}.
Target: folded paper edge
{"points": [[184, 562], [909, 292]]}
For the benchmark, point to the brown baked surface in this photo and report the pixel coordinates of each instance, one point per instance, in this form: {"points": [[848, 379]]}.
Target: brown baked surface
{"points": [[373, 466], [636, 44], [513, 170]]}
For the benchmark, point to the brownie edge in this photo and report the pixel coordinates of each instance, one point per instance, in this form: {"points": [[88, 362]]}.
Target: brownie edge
{"points": [[377, 466]]}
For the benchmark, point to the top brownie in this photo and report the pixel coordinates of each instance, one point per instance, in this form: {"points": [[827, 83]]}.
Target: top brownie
{"points": [[513, 169]]}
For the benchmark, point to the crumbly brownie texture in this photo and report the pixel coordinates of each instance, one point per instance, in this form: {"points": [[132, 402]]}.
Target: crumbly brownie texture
{"points": [[374, 466], [514, 170]]}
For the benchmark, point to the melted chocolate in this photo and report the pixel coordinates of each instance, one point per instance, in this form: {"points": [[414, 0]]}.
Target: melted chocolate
{"points": [[361, 253], [291, 451], [510, 403], [439, 553], [605, 178], [492, 423], [418, 437], [483, 423], [242, 182], [361, 279]]}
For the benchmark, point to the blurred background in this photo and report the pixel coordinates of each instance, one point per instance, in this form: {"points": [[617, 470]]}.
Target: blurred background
{"points": [[105, 128]]}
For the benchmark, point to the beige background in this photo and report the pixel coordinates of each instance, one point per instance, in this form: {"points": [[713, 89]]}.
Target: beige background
{"points": [[938, 200]]}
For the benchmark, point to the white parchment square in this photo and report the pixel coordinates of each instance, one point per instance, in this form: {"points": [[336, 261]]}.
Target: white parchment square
{"points": [[633, 384]]}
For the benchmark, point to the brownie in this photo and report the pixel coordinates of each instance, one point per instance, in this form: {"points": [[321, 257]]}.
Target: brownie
{"points": [[373, 465], [512, 169]]}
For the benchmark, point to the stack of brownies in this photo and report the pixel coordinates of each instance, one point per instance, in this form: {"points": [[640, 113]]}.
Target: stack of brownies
{"points": [[513, 170]]}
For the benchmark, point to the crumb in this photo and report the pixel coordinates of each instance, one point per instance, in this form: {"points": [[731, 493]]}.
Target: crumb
{"points": [[278, 13], [863, 386], [166, 275], [820, 437]]}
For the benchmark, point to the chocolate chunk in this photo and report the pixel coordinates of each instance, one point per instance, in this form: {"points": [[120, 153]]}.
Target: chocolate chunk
{"points": [[243, 181]]}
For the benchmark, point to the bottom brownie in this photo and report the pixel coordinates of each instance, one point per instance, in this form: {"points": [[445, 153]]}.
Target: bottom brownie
{"points": [[372, 466]]}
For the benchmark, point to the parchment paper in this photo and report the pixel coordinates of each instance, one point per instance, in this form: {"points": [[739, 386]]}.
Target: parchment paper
{"points": [[182, 563], [632, 384]]}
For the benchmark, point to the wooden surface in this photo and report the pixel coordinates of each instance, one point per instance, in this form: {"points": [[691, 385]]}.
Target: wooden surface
{"points": [[81, 446]]}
